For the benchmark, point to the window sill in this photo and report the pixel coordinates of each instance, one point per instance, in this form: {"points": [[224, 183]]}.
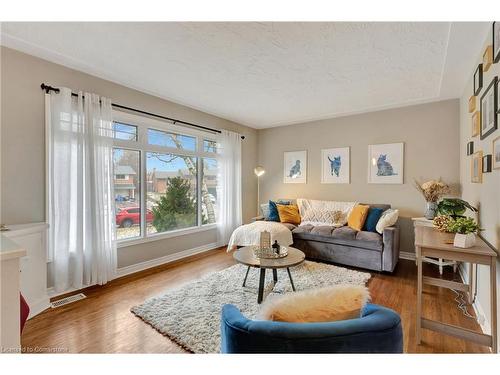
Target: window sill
{"points": [[163, 236]]}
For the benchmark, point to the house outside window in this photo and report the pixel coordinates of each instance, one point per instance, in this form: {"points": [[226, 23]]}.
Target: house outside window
{"points": [[177, 167]]}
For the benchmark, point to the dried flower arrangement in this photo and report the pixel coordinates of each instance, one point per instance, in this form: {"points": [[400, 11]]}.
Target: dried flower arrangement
{"points": [[432, 190]]}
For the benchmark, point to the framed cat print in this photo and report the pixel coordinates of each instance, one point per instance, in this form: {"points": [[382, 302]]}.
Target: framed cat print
{"points": [[295, 167], [335, 165], [386, 163], [488, 109]]}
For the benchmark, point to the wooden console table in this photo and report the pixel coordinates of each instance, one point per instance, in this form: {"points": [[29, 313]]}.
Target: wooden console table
{"points": [[440, 262], [429, 243]]}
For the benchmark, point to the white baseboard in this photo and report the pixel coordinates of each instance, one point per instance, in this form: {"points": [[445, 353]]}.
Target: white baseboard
{"points": [[478, 309], [163, 260], [124, 271], [38, 306], [406, 255]]}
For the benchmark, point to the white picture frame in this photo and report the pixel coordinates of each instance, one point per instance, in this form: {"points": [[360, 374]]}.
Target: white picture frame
{"points": [[295, 167], [386, 163], [335, 165]]}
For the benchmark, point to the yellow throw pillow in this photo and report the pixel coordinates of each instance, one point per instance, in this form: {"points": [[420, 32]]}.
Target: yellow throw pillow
{"points": [[358, 216], [289, 213]]}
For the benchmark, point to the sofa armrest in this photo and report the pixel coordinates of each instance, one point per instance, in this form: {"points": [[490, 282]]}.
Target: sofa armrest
{"points": [[390, 254], [258, 218]]}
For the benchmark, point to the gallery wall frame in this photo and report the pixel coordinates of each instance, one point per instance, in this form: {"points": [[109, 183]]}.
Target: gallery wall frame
{"points": [[386, 163], [489, 110]]}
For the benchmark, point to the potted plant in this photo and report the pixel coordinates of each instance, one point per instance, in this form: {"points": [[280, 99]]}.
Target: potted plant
{"points": [[454, 207], [432, 190], [463, 228]]}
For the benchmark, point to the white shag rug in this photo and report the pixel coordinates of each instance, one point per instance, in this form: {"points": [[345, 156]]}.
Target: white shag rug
{"points": [[190, 315]]}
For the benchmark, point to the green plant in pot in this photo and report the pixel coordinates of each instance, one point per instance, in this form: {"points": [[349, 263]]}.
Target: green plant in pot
{"points": [[464, 228], [454, 207]]}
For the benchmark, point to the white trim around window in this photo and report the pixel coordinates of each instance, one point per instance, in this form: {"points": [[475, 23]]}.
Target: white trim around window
{"points": [[144, 123]]}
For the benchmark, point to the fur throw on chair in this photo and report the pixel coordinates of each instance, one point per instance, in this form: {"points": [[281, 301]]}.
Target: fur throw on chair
{"points": [[340, 302]]}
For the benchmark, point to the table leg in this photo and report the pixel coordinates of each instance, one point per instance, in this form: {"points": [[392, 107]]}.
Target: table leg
{"points": [[291, 280], [418, 322], [471, 286], [246, 275], [261, 285], [275, 275], [493, 302]]}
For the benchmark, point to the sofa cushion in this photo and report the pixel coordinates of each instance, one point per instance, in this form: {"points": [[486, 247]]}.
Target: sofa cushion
{"points": [[288, 213], [273, 209], [372, 219], [345, 233], [341, 236], [357, 217], [322, 230]]}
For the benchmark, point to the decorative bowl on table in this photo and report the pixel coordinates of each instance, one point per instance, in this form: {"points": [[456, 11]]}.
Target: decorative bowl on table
{"points": [[269, 253]]}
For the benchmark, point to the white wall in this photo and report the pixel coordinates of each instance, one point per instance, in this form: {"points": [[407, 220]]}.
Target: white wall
{"points": [[23, 145], [487, 194], [431, 137]]}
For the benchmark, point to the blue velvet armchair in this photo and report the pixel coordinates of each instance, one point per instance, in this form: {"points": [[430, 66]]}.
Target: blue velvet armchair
{"points": [[378, 330]]}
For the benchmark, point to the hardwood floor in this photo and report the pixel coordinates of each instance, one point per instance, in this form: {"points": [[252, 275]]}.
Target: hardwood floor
{"points": [[103, 323]]}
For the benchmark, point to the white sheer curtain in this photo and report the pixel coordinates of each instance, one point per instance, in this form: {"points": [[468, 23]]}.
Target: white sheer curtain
{"points": [[80, 200], [229, 198]]}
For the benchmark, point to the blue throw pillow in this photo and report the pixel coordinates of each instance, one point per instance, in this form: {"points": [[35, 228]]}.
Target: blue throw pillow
{"points": [[273, 210], [372, 219], [264, 209]]}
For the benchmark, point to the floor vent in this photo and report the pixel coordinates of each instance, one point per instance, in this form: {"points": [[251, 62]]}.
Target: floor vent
{"points": [[66, 300]]}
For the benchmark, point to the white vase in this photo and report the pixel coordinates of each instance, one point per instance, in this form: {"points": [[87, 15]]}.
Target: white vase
{"points": [[464, 240]]}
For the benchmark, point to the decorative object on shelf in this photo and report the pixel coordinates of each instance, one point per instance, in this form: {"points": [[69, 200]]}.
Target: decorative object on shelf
{"points": [[487, 163], [462, 228], [386, 163], [265, 240], [259, 171], [478, 79], [472, 104], [335, 165], [489, 109], [3, 228], [269, 253], [477, 167], [470, 148], [295, 167], [465, 229], [454, 207], [276, 247], [487, 58], [496, 41], [432, 191], [496, 153], [476, 123]]}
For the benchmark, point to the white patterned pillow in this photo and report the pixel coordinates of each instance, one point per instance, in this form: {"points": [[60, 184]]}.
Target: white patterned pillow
{"points": [[317, 216]]}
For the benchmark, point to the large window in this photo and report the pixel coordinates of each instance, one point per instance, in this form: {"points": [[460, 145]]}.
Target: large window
{"points": [[172, 193], [178, 169]]}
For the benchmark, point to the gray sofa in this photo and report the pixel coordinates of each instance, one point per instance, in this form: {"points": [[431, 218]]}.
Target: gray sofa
{"points": [[347, 246]]}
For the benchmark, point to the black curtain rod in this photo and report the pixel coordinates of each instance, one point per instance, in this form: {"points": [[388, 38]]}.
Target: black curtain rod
{"points": [[48, 89]]}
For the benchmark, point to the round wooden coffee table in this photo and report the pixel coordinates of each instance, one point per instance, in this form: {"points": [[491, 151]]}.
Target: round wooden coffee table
{"points": [[246, 256]]}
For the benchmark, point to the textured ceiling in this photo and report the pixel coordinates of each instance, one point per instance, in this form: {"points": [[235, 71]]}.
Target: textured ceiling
{"points": [[267, 74]]}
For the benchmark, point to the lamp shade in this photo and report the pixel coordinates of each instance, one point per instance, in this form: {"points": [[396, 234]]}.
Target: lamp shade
{"points": [[259, 171]]}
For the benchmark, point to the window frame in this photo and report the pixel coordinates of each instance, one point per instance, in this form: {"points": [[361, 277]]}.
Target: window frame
{"points": [[144, 123]]}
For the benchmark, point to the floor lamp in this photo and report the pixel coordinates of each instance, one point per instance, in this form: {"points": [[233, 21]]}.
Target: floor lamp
{"points": [[259, 171]]}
